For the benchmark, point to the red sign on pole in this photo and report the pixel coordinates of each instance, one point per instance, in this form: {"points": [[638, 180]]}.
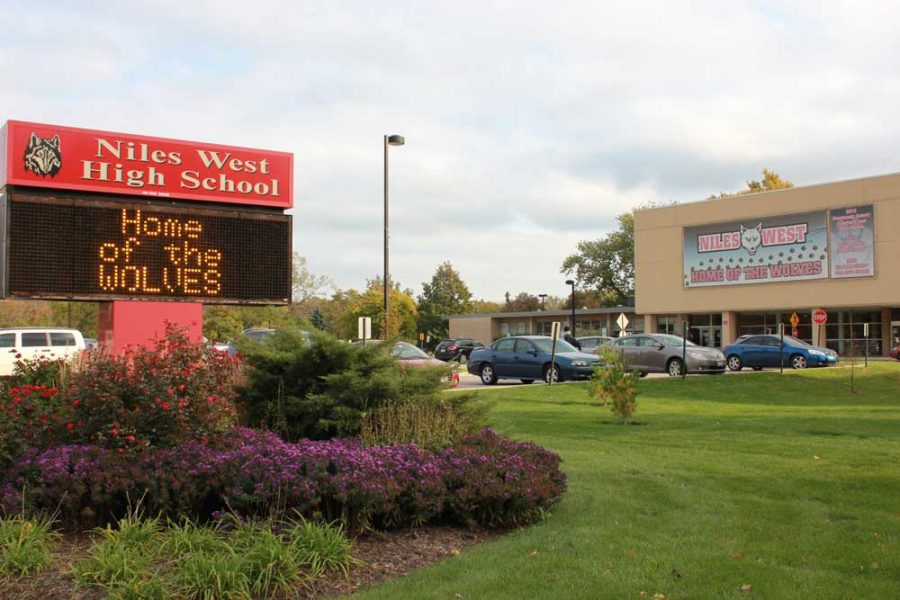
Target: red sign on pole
{"points": [[52, 156], [819, 317]]}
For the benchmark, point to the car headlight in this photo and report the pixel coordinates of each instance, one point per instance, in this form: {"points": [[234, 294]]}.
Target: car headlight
{"points": [[579, 363], [817, 353]]}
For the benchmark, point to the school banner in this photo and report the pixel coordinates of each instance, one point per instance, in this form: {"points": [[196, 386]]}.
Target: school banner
{"points": [[852, 241], [782, 248]]}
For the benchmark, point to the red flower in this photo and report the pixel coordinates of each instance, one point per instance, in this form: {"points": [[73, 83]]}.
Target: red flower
{"points": [[75, 403], [130, 439], [166, 406], [70, 425], [181, 387]]}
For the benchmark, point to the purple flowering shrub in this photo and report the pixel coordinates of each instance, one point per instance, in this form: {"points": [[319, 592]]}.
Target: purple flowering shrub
{"points": [[495, 481], [485, 479]]}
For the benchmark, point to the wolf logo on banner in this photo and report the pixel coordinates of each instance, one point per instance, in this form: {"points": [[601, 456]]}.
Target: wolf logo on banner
{"points": [[751, 237], [42, 156]]}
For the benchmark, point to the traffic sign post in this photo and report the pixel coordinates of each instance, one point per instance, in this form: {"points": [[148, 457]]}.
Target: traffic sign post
{"points": [[781, 336], [622, 322], [554, 334], [819, 317], [364, 328], [866, 335]]}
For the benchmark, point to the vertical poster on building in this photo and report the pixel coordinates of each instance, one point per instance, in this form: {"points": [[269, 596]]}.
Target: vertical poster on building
{"points": [[761, 250], [852, 241]]}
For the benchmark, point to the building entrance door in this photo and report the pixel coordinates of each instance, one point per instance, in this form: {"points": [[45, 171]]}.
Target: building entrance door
{"points": [[710, 336], [895, 334]]}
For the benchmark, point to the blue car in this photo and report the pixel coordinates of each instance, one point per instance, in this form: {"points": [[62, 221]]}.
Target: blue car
{"points": [[527, 358], [759, 351]]}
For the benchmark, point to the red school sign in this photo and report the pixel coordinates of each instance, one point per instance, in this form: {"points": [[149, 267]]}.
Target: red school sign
{"points": [[53, 156]]}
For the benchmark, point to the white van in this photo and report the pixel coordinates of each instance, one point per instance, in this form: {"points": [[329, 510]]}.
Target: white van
{"points": [[28, 343]]}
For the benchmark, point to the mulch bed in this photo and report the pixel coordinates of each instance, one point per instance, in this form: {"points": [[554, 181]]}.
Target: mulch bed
{"points": [[383, 556]]}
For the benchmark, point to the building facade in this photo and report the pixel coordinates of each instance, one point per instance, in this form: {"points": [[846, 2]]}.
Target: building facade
{"points": [[722, 268], [718, 269]]}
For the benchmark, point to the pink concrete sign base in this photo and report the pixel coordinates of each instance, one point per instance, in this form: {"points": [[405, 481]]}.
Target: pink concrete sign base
{"points": [[121, 323]]}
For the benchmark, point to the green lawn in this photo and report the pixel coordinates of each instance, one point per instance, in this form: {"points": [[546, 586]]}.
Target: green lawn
{"points": [[788, 483]]}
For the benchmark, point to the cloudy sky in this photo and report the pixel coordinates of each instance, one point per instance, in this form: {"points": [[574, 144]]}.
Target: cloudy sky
{"points": [[529, 125]]}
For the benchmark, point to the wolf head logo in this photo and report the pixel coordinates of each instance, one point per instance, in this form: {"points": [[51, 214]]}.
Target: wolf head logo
{"points": [[751, 238], [42, 156]]}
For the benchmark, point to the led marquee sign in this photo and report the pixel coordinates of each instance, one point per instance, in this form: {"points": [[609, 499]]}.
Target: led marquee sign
{"points": [[100, 248]]}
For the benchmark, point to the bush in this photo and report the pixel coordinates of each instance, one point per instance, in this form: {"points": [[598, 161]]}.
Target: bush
{"points": [[30, 416], [485, 479], [497, 482], [158, 396], [613, 385], [25, 545], [322, 389], [431, 423]]}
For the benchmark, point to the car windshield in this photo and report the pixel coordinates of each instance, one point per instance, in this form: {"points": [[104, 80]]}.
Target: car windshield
{"points": [[672, 340], [792, 341], [407, 351], [546, 345]]}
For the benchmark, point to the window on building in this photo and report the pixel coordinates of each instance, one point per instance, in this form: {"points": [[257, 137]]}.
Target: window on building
{"points": [[845, 332], [666, 324], [513, 328]]}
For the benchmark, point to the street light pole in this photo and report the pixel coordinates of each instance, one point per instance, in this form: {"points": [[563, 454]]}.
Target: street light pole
{"points": [[389, 140], [542, 297], [572, 283]]}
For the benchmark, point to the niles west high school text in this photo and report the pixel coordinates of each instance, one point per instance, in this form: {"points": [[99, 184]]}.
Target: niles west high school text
{"points": [[227, 181]]}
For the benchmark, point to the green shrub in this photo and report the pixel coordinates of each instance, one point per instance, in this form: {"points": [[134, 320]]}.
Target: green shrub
{"points": [[322, 389], [123, 558], [319, 546], [612, 384], [25, 544]]}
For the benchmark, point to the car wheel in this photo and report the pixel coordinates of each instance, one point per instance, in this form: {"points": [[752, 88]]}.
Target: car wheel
{"points": [[488, 376], [798, 361], [734, 363], [757, 368], [675, 367], [551, 373], [527, 380], [642, 374]]}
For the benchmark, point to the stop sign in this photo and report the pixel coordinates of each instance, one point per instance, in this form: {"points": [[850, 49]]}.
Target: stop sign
{"points": [[819, 317]]}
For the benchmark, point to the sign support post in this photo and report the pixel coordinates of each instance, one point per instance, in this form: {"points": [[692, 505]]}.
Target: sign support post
{"points": [[554, 334], [781, 350]]}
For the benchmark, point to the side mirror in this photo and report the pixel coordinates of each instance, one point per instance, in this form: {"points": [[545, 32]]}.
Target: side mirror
{"points": [[532, 352], [660, 346]]}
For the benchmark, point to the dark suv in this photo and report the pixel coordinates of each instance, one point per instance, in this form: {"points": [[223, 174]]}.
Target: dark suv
{"points": [[456, 349]]}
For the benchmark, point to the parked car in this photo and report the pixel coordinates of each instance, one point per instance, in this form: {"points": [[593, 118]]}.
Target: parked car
{"points": [[413, 356], [456, 349], [31, 343], [593, 343], [759, 351], [662, 353], [527, 358], [257, 334]]}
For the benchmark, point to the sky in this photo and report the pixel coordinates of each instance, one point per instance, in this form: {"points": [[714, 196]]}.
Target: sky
{"points": [[529, 125]]}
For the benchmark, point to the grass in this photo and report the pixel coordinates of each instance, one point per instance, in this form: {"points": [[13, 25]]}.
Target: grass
{"points": [[25, 545], [789, 484], [142, 558]]}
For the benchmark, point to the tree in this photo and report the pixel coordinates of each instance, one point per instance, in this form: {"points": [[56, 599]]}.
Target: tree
{"points": [[770, 181], [523, 302], [447, 294], [305, 285], [606, 264], [485, 306], [370, 303]]}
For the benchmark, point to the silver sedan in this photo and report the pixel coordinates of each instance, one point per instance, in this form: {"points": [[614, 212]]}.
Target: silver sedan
{"points": [[664, 353]]}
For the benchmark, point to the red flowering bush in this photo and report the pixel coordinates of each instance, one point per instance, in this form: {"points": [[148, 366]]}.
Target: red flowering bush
{"points": [[151, 397], [30, 416], [158, 396]]}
